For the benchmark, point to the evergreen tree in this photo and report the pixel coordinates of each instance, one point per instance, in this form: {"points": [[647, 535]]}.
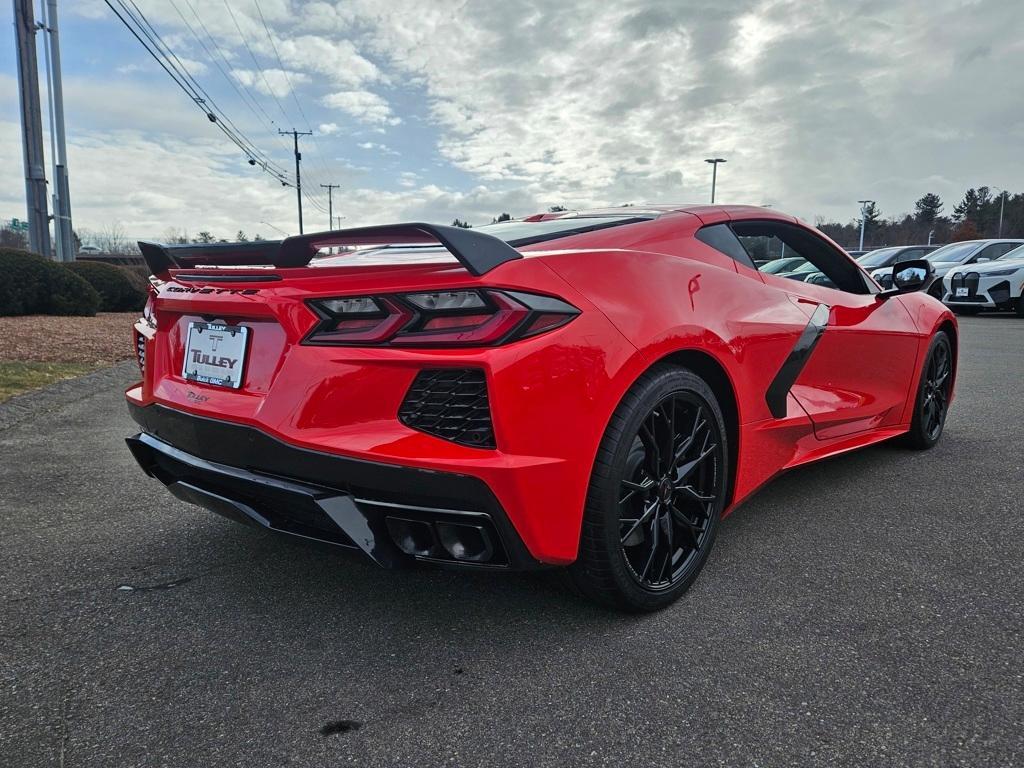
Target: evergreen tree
{"points": [[462, 224], [969, 208], [928, 208]]}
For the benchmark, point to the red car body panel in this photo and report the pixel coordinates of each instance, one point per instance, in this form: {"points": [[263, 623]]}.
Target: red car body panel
{"points": [[646, 292]]}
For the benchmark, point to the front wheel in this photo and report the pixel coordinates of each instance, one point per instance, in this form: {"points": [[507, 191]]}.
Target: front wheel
{"points": [[656, 494], [933, 391]]}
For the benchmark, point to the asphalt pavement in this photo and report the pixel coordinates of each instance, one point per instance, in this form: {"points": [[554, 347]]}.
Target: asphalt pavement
{"points": [[863, 611]]}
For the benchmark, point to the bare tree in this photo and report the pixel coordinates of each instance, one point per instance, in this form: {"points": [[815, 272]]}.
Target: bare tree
{"points": [[174, 235], [112, 239]]}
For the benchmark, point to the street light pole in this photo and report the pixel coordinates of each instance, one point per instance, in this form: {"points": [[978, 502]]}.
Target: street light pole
{"points": [[62, 229], [863, 218], [1002, 204], [714, 174]]}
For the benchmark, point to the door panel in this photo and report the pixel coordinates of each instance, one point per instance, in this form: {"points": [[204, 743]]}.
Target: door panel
{"points": [[859, 374]]}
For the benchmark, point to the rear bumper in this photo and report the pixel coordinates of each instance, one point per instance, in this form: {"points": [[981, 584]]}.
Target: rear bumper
{"points": [[395, 515]]}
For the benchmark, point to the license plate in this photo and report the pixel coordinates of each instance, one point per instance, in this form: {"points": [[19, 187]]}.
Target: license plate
{"points": [[961, 292], [215, 354]]}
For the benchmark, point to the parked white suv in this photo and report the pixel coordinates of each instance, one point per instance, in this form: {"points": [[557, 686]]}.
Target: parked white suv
{"points": [[954, 255], [995, 284]]}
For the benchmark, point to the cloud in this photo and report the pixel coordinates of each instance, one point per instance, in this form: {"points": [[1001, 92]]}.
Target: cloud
{"points": [[271, 82], [383, 149], [337, 59], [519, 105], [364, 106]]}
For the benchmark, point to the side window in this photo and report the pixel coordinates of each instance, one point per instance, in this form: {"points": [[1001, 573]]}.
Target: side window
{"points": [[722, 239], [913, 253], [994, 251], [836, 268]]}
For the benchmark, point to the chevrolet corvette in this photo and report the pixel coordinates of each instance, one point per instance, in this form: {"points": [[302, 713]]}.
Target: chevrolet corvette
{"points": [[589, 390]]}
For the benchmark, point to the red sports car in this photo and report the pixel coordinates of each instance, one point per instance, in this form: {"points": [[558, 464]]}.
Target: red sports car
{"points": [[593, 390]]}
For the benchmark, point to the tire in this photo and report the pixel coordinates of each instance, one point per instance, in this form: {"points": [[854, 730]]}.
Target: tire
{"points": [[933, 391], [651, 514], [1020, 305]]}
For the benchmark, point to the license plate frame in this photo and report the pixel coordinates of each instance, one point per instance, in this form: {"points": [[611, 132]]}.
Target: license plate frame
{"points": [[223, 348], [962, 293]]}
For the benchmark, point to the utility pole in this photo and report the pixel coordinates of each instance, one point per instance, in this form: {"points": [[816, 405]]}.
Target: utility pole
{"points": [[1002, 204], [62, 229], [298, 177], [31, 128], [714, 174], [330, 206], [863, 217]]}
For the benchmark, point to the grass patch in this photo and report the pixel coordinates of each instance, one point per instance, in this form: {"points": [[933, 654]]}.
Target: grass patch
{"points": [[17, 377]]}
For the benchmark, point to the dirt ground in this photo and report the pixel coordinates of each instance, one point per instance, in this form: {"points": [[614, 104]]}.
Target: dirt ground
{"points": [[97, 341]]}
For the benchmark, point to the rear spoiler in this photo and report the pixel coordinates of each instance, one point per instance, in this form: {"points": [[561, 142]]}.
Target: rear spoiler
{"points": [[477, 252]]}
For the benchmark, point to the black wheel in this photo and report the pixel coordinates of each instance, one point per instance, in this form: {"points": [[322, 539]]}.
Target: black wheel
{"points": [[932, 401], [656, 494]]}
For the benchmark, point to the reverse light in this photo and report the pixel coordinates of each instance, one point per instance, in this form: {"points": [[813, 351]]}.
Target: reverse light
{"points": [[437, 318]]}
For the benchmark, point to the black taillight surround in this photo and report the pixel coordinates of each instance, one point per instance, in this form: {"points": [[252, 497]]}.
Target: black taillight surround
{"points": [[499, 317]]}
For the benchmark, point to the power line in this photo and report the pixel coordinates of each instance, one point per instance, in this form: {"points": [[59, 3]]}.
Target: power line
{"points": [[252, 55], [155, 47], [316, 144], [272, 125], [251, 102], [158, 41]]}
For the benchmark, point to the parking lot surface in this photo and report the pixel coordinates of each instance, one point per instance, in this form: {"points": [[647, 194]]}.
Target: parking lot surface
{"points": [[866, 610]]}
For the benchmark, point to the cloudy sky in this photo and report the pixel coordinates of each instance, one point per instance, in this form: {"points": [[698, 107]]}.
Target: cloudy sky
{"points": [[430, 109]]}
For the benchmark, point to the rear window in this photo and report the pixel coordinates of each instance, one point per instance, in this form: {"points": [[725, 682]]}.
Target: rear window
{"points": [[517, 233]]}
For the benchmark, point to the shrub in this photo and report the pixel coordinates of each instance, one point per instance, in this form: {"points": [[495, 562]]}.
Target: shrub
{"points": [[34, 285], [24, 281], [139, 276], [118, 291], [69, 294]]}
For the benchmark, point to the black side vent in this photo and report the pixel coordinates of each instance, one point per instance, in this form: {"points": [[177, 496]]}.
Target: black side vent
{"points": [[450, 403]]}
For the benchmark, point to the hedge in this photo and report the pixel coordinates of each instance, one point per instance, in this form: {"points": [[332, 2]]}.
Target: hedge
{"points": [[32, 285], [119, 290]]}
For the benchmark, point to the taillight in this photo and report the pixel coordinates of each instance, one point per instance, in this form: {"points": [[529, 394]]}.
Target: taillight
{"points": [[437, 318]]}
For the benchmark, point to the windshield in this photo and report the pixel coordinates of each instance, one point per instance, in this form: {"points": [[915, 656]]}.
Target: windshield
{"points": [[526, 232], [876, 258], [954, 252]]}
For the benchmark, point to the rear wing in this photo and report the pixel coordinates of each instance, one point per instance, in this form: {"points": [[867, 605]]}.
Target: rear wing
{"points": [[477, 252]]}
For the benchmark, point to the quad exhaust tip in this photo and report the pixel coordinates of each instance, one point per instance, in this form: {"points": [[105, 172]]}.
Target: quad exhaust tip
{"points": [[442, 540]]}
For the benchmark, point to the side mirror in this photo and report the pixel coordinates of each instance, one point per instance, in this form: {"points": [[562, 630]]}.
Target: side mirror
{"points": [[982, 259], [910, 276]]}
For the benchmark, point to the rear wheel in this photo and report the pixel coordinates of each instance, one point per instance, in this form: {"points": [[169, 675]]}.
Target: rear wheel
{"points": [[933, 392], [656, 494]]}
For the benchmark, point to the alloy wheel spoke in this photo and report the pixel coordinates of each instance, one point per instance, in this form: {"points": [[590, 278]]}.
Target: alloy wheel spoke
{"points": [[694, 495], [638, 521]]}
